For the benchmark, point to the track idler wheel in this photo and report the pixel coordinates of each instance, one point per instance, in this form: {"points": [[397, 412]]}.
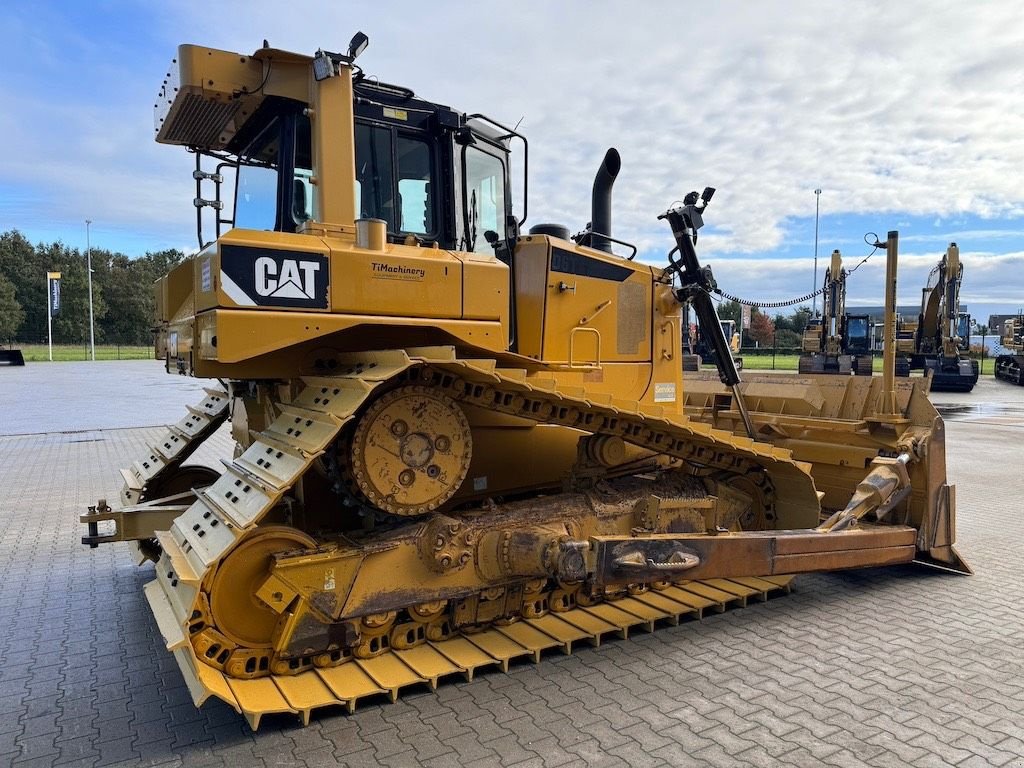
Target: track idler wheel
{"points": [[235, 610], [410, 450]]}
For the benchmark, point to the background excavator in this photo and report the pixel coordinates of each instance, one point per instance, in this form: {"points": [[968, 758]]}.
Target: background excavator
{"points": [[458, 443], [941, 337], [697, 348], [836, 342], [1010, 364]]}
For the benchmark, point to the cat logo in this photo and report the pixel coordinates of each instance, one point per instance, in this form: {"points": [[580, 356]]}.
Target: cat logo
{"points": [[297, 279], [268, 277]]}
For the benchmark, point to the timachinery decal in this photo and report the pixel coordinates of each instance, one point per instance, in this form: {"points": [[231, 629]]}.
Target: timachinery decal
{"points": [[266, 277], [571, 263], [384, 271]]}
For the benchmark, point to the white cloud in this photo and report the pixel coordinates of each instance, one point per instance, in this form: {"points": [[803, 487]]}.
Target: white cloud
{"points": [[896, 110], [889, 107]]}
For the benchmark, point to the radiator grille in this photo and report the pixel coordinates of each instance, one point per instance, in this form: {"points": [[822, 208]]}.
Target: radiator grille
{"points": [[199, 122]]}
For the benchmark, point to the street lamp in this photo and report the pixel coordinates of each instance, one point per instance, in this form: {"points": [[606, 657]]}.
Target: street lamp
{"points": [[88, 256], [817, 200]]}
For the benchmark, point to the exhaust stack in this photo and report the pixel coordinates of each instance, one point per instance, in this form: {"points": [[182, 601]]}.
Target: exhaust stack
{"points": [[601, 201]]}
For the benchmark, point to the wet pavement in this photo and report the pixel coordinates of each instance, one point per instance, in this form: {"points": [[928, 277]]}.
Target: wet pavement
{"points": [[882, 667], [72, 397], [990, 402]]}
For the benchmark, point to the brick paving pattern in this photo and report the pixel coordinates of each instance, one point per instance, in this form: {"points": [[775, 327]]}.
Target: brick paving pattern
{"points": [[887, 667]]}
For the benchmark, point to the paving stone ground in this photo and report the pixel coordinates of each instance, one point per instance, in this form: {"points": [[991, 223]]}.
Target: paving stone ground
{"points": [[885, 667]]}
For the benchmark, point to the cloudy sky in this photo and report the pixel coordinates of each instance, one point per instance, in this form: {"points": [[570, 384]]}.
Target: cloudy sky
{"points": [[908, 116]]}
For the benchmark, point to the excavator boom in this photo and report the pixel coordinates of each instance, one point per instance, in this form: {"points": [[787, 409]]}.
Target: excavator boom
{"points": [[836, 343], [938, 343]]}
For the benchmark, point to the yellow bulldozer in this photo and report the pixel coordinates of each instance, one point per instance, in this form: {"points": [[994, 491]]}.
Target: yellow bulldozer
{"points": [[457, 442]]}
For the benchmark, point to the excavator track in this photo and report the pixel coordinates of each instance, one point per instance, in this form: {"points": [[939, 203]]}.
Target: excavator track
{"points": [[1010, 368], [228, 511]]}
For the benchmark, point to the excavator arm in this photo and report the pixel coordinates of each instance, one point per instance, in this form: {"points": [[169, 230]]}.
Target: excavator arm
{"points": [[937, 342]]}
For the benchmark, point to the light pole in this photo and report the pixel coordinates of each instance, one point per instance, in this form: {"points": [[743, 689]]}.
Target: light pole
{"points": [[817, 200], [88, 257]]}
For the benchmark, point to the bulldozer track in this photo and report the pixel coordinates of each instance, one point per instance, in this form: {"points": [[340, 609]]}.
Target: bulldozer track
{"points": [[429, 664], [254, 483], [175, 444]]}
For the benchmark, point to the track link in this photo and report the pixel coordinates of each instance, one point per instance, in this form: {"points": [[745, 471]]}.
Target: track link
{"points": [[1010, 368], [497, 647], [254, 483], [175, 444]]}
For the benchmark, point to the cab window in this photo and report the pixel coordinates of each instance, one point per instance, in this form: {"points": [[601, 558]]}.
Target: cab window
{"points": [[393, 180], [256, 190], [485, 198], [416, 204], [963, 326], [278, 158], [303, 190]]}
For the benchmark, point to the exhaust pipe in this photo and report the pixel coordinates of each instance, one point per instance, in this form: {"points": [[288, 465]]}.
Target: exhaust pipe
{"points": [[601, 201]]}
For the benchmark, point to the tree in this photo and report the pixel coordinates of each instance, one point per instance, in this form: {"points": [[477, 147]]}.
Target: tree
{"points": [[162, 262], [801, 317], [11, 313], [730, 310], [122, 289], [796, 322], [71, 326], [128, 290], [786, 339], [762, 329], [18, 263]]}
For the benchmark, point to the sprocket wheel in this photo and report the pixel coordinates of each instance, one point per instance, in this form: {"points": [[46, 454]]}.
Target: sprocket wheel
{"points": [[410, 450], [236, 611]]}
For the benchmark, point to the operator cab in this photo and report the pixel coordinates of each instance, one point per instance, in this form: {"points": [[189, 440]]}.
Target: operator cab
{"points": [[429, 172], [963, 331], [857, 334]]}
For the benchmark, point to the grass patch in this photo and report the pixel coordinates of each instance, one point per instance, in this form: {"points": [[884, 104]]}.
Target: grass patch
{"points": [[39, 353], [790, 363], [765, 362]]}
